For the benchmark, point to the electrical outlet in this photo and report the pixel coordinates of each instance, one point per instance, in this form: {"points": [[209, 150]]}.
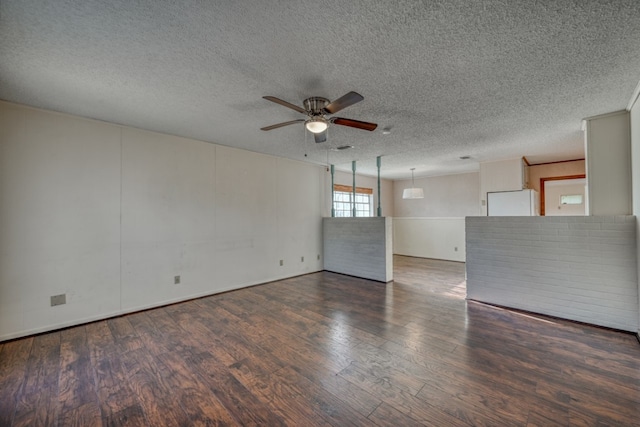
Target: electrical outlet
{"points": [[301, 259], [484, 203], [58, 300], [281, 262], [455, 249], [176, 280], [318, 257]]}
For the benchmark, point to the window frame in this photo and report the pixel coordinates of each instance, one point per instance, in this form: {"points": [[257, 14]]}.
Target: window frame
{"points": [[345, 195], [568, 199]]}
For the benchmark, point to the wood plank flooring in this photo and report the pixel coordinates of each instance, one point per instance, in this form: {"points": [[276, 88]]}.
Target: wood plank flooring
{"points": [[326, 350]]}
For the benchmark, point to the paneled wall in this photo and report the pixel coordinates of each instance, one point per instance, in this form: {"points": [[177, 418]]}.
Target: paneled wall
{"points": [[634, 119], [444, 196], [437, 238], [578, 268], [433, 227], [60, 208], [109, 215]]}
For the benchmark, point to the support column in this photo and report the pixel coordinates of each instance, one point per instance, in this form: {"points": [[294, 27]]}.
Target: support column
{"points": [[608, 162], [333, 206], [353, 168], [379, 163]]}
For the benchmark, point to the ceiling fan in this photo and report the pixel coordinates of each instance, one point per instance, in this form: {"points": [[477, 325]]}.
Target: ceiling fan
{"points": [[316, 109]]}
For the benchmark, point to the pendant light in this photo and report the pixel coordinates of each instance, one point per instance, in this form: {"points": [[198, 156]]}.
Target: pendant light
{"points": [[413, 192]]}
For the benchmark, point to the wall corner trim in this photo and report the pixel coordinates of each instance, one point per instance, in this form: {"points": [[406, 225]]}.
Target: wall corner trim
{"points": [[634, 97]]}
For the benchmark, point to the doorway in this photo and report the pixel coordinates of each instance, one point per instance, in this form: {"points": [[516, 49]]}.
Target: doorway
{"points": [[563, 195]]}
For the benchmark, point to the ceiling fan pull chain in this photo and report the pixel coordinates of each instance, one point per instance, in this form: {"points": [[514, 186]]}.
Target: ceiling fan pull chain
{"points": [[305, 141]]}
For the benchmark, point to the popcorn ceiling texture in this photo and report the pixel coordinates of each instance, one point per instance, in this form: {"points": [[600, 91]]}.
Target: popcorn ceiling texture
{"points": [[493, 79]]}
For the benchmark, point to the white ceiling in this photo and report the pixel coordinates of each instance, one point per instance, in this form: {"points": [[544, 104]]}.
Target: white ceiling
{"points": [[492, 79]]}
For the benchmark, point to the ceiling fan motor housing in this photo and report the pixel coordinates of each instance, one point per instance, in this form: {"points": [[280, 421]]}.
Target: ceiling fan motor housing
{"points": [[315, 105]]}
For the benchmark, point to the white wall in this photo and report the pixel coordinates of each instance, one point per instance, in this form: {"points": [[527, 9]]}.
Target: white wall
{"points": [[553, 190], [444, 196], [550, 170], [503, 175], [608, 155], [345, 178], [168, 207], [635, 159], [578, 268], [433, 227], [438, 238], [59, 219], [109, 215]]}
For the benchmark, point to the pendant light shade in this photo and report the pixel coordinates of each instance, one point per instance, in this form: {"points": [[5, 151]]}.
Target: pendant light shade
{"points": [[413, 192]]}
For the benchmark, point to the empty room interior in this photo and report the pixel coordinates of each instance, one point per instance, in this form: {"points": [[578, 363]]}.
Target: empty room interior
{"points": [[319, 213]]}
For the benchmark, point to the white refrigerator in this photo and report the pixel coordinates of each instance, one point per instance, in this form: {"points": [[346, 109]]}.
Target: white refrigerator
{"points": [[513, 203]]}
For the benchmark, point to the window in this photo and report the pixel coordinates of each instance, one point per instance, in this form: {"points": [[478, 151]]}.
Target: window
{"points": [[343, 201], [571, 199]]}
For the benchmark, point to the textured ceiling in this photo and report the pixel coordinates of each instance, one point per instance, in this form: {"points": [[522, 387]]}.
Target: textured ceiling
{"points": [[492, 79]]}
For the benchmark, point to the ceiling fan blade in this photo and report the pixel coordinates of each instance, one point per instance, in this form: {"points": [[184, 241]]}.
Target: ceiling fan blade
{"points": [[354, 123], [320, 137], [343, 102], [279, 125], [285, 103]]}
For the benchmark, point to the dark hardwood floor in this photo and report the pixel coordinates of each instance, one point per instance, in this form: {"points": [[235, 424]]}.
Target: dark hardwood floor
{"points": [[326, 349]]}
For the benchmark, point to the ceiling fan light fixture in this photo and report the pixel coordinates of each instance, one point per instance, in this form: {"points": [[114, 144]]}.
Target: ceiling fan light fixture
{"points": [[316, 125]]}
